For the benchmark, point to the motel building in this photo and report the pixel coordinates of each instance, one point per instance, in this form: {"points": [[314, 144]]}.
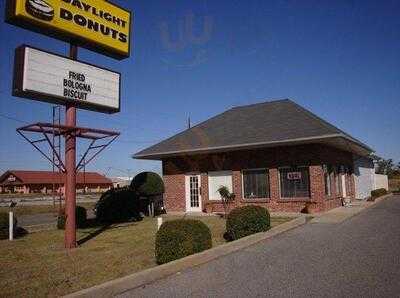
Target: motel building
{"points": [[26, 182], [275, 154]]}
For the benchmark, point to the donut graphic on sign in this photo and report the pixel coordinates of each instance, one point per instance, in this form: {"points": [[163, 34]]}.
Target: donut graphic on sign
{"points": [[40, 9]]}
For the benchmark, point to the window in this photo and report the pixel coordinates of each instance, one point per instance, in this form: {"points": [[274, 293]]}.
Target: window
{"points": [[216, 180], [255, 184], [337, 181], [327, 179], [294, 182]]}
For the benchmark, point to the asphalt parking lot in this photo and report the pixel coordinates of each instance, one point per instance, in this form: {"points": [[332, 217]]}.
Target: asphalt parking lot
{"points": [[359, 257]]}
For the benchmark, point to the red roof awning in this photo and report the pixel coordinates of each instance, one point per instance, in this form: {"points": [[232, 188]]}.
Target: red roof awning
{"points": [[48, 177]]}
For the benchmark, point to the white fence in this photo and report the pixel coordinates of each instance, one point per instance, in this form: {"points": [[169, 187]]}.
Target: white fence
{"points": [[381, 181]]}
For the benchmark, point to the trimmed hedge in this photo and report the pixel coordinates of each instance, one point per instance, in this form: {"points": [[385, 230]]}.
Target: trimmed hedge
{"points": [[378, 193], [148, 184], [4, 227], [247, 220], [118, 205], [180, 238], [80, 218]]}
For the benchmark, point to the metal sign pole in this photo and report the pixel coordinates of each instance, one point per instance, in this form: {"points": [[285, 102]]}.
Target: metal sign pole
{"points": [[70, 165]]}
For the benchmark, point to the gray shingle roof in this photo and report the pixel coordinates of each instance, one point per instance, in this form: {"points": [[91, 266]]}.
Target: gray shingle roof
{"points": [[268, 123]]}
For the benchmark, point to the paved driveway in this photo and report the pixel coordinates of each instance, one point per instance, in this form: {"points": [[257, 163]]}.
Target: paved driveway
{"points": [[359, 257]]}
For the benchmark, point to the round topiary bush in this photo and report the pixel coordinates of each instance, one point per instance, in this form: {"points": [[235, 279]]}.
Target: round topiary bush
{"points": [[247, 220], [148, 184], [180, 238], [118, 205], [80, 218], [4, 225]]}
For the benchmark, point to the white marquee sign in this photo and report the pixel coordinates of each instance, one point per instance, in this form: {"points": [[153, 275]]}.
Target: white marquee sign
{"points": [[43, 76]]}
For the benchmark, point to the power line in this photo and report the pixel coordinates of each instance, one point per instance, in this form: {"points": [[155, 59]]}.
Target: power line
{"points": [[137, 142], [13, 119]]}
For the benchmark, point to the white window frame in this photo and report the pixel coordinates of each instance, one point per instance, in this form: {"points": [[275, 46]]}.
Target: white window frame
{"points": [[229, 173], [269, 184], [327, 185]]}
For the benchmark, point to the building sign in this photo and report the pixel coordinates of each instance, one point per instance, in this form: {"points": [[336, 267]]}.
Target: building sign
{"points": [[95, 24], [294, 176], [43, 76]]}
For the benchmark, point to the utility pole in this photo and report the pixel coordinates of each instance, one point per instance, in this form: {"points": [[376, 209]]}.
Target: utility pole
{"points": [[84, 175], [189, 124], [56, 146], [84, 172]]}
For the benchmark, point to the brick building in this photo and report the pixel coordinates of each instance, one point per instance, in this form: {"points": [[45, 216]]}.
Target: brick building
{"points": [[43, 181], [274, 154]]}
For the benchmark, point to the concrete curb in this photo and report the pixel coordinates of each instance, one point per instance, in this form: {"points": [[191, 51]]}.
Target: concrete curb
{"points": [[139, 279]]}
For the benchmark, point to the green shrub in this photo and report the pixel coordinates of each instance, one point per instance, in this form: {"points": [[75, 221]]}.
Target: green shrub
{"points": [[247, 220], [80, 218], [180, 238], [118, 205], [148, 184], [4, 225], [378, 193]]}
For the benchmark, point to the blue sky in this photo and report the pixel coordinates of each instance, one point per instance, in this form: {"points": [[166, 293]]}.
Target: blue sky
{"points": [[339, 59]]}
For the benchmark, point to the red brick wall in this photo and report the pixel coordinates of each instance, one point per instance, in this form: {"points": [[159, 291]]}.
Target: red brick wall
{"points": [[174, 197], [313, 156], [204, 190]]}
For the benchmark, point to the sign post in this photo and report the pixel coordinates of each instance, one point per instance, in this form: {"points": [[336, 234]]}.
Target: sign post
{"points": [[70, 165], [96, 25]]}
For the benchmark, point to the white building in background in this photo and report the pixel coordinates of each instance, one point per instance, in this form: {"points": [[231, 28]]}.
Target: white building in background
{"points": [[365, 178], [119, 182]]}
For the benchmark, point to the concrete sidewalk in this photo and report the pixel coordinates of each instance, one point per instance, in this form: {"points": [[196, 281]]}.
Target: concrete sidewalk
{"points": [[341, 214]]}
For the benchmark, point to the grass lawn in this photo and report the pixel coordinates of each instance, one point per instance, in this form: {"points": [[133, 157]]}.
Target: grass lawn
{"points": [[38, 265], [38, 209]]}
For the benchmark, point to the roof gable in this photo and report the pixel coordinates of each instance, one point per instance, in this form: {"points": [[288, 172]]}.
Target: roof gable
{"points": [[272, 122], [9, 177]]}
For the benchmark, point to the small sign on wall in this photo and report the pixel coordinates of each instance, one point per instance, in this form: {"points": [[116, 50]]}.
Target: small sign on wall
{"points": [[44, 76], [294, 176]]}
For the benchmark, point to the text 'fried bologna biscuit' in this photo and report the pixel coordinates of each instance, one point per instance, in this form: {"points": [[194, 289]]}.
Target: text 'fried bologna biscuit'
{"points": [[40, 9]]}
